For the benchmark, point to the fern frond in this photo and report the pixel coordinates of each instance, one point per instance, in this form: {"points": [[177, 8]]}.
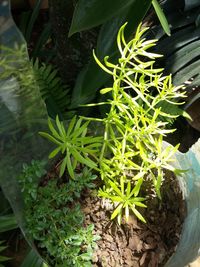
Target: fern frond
{"points": [[53, 91]]}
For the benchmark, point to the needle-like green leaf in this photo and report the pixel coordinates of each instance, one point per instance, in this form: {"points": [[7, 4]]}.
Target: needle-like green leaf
{"points": [[50, 137], [117, 211], [138, 215], [55, 152], [161, 16]]}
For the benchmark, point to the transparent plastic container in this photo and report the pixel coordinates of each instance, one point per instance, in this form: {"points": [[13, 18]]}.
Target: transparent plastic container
{"points": [[188, 248], [22, 112]]}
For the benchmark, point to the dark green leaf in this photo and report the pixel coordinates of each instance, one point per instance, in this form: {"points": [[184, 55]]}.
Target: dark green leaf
{"points": [[44, 36], [7, 222], [4, 258], [190, 4], [32, 259], [94, 12], [92, 77], [161, 16], [187, 73], [106, 43], [32, 20], [183, 56], [177, 40]]}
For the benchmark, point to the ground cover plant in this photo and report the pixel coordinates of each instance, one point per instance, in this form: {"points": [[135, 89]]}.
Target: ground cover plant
{"points": [[54, 218], [129, 157]]}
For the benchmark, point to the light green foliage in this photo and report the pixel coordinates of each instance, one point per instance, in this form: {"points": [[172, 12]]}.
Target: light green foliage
{"points": [[73, 144], [132, 151], [125, 199], [55, 220], [2, 258]]}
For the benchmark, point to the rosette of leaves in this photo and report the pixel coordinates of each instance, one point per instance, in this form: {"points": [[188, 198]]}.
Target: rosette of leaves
{"points": [[73, 143]]}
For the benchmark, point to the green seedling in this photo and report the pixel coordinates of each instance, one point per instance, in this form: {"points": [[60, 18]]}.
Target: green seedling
{"points": [[74, 145]]}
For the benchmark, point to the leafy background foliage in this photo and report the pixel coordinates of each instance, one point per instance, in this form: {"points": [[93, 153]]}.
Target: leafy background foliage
{"points": [[181, 49], [53, 91], [110, 16], [85, 91]]}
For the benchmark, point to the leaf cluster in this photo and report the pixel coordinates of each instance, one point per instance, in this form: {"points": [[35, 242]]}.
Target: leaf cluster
{"points": [[52, 89], [29, 179], [73, 143], [54, 218], [132, 150], [3, 258], [42, 79]]}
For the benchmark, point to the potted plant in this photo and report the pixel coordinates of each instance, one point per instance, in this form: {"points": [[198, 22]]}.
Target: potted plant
{"points": [[113, 175]]}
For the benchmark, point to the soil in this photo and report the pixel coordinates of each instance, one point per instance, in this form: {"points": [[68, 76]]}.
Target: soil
{"points": [[133, 243]]}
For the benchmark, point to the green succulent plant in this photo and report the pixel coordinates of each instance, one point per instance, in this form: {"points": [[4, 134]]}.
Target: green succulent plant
{"points": [[132, 151], [73, 144]]}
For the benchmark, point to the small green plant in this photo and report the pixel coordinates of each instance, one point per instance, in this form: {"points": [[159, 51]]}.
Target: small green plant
{"points": [[132, 151], [31, 175], [73, 144], [54, 218]]}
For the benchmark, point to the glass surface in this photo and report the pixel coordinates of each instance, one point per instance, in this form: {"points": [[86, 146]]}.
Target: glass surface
{"points": [[22, 111]]}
